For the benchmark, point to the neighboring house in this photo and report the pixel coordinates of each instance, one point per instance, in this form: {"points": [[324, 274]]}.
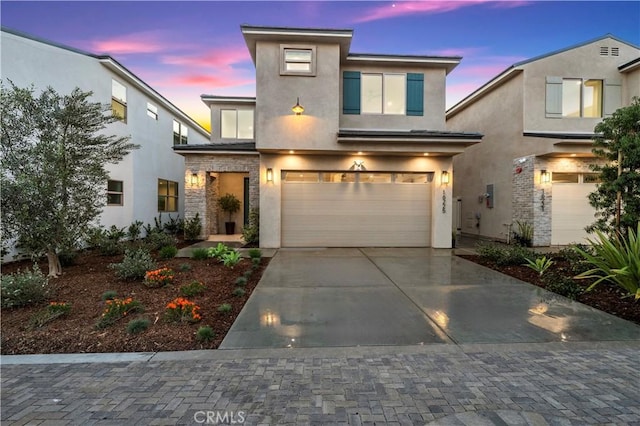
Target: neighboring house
{"points": [[367, 163], [150, 180], [538, 119]]}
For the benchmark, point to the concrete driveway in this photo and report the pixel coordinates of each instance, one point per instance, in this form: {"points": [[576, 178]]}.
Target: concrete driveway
{"points": [[379, 296]]}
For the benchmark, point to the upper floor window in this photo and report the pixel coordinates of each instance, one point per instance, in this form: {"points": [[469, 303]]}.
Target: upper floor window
{"points": [[152, 111], [119, 100], [298, 60], [576, 97], [383, 94], [115, 193], [581, 98], [167, 196], [236, 124], [378, 93], [180, 133]]}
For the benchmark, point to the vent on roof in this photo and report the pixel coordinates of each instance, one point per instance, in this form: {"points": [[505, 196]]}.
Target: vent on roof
{"points": [[604, 51], [615, 51]]}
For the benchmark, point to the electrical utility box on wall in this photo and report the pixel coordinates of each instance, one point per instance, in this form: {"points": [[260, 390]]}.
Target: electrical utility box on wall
{"points": [[489, 196]]}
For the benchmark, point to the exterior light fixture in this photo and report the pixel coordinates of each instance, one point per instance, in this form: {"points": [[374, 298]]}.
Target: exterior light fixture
{"points": [[444, 178], [194, 179], [545, 177], [358, 165], [297, 108], [269, 174]]}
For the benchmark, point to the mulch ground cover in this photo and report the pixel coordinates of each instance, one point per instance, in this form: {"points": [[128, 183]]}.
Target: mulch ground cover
{"points": [[82, 286]]}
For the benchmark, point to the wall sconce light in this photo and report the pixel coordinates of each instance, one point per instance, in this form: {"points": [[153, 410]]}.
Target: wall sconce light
{"points": [[545, 176], [297, 108], [444, 178], [194, 179], [269, 174]]}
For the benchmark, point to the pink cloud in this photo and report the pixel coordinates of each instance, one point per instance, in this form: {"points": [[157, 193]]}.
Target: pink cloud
{"points": [[134, 43], [217, 57], [210, 81], [403, 8]]}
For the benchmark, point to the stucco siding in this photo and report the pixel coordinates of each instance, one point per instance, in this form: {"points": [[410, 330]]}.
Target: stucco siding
{"points": [[499, 117]]}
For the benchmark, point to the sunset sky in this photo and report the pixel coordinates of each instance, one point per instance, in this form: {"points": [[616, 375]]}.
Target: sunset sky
{"points": [[185, 49]]}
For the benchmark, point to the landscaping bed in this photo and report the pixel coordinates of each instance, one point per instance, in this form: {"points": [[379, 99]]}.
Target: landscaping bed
{"points": [[605, 297], [82, 286]]}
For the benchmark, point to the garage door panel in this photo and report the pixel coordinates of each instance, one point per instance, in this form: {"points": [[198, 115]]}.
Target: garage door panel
{"points": [[571, 212], [355, 215]]}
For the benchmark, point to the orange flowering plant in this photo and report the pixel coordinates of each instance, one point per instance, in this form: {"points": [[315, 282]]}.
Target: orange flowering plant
{"points": [[182, 310], [116, 309], [158, 277], [59, 308]]}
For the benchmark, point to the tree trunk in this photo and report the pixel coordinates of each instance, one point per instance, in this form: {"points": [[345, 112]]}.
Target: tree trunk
{"points": [[55, 269]]}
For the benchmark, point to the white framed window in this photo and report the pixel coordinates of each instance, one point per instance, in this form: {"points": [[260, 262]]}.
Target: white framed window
{"points": [[582, 98], [338, 177], [236, 124], [152, 111], [167, 196], [298, 60], [300, 176], [119, 100], [180, 133], [383, 93], [115, 193]]}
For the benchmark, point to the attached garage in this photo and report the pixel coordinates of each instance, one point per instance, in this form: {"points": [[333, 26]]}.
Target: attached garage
{"points": [[356, 209], [570, 208]]}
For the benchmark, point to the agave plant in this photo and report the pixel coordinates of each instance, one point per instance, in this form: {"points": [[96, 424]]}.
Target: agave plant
{"points": [[540, 264], [616, 260]]}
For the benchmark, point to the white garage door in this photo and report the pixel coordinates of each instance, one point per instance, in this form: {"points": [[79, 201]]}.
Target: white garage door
{"points": [[571, 212], [356, 209]]}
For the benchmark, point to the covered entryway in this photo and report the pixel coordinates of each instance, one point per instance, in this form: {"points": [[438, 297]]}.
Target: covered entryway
{"points": [[356, 209], [570, 208]]}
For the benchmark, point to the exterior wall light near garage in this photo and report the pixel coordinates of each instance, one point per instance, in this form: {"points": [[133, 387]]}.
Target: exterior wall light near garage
{"points": [[194, 179], [297, 108], [444, 178], [269, 174], [545, 176]]}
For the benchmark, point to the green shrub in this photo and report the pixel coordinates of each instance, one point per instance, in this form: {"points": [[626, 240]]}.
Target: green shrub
{"points": [[540, 264], [576, 261], [239, 291], [225, 308], [524, 234], [231, 258], [109, 295], [255, 262], [490, 251], [192, 228], [134, 265], [68, 256], [158, 239], [138, 325], [51, 312], [255, 253], [205, 334], [251, 232], [23, 288], [616, 260], [134, 230], [117, 309], [200, 253], [218, 251], [515, 255], [174, 226], [562, 284], [108, 242], [247, 274], [184, 267], [194, 288], [241, 281], [168, 252]]}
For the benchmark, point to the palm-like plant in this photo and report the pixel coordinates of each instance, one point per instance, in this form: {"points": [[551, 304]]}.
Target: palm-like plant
{"points": [[540, 264], [615, 259]]}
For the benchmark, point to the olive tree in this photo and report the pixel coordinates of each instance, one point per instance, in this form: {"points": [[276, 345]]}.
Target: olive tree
{"points": [[617, 197], [53, 168]]}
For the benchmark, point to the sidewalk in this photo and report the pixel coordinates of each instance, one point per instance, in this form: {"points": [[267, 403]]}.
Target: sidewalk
{"points": [[551, 383]]}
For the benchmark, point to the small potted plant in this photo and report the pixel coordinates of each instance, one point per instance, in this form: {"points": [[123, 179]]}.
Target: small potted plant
{"points": [[230, 204]]}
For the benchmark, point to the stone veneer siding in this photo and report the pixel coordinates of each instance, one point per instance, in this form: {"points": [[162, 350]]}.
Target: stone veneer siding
{"points": [[532, 199], [201, 197]]}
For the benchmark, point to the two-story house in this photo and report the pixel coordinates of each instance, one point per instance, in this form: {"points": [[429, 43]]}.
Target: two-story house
{"points": [[337, 149], [538, 119], [150, 180]]}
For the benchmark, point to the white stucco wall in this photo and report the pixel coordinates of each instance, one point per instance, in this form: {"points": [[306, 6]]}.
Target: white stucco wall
{"points": [[27, 62]]}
